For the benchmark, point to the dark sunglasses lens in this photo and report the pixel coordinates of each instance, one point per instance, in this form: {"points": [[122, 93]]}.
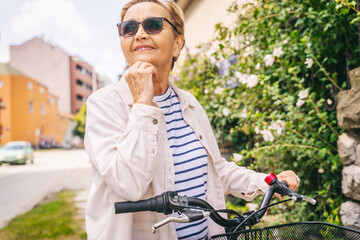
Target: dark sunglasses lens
{"points": [[152, 25], [128, 28]]}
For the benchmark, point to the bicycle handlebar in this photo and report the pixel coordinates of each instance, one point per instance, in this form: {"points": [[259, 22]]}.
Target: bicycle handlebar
{"points": [[169, 201]]}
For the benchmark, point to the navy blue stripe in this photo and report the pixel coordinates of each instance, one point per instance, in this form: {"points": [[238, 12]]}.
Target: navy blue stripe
{"points": [[193, 234], [191, 169], [179, 154], [184, 144], [172, 129], [199, 195], [189, 179], [175, 120], [190, 188], [173, 96], [177, 137], [192, 225], [190, 160], [168, 114], [176, 103], [204, 238]]}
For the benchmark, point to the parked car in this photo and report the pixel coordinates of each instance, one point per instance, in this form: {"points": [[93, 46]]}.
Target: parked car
{"points": [[17, 152]]}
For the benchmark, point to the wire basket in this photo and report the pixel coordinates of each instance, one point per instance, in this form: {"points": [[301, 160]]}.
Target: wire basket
{"points": [[294, 231]]}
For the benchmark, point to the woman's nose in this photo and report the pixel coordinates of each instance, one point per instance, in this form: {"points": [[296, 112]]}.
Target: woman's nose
{"points": [[141, 34]]}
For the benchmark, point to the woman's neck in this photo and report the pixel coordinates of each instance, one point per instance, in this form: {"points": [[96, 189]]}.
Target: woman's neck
{"points": [[161, 82]]}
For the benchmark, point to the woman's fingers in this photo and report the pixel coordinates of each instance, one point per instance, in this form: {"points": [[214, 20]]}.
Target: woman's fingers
{"points": [[290, 178], [140, 80]]}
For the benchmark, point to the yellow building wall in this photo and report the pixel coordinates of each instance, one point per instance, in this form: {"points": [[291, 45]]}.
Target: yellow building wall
{"points": [[22, 124], [22, 120], [5, 113]]}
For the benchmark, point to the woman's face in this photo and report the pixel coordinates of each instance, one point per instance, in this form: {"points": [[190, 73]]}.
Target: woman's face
{"points": [[157, 49]]}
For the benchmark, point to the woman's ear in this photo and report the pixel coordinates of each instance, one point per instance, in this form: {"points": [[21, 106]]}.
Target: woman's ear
{"points": [[179, 44]]}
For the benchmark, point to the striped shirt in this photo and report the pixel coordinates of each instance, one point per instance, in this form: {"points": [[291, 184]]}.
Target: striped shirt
{"points": [[190, 161]]}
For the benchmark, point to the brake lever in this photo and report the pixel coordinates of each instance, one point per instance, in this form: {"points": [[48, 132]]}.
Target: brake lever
{"points": [[184, 217]]}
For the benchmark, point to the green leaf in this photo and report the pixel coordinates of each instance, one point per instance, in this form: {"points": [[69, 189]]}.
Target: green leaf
{"points": [[355, 20]]}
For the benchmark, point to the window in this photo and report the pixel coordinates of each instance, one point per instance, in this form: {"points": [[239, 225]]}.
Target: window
{"points": [[78, 67], [1, 84], [89, 87], [52, 101], [83, 70], [30, 85], [79, 97], [41, 90], [1, 105], [42, 109], [79, 82], [31, 107]]}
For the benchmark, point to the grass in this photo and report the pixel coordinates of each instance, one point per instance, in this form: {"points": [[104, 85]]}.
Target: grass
{"points": [[52, 220]]}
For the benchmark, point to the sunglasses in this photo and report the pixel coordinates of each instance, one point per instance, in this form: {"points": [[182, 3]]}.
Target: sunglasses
{"points": [[150, 25]]}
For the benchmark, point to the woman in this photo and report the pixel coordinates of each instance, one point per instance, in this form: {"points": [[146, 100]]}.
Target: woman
{"points": [[145, 136]]}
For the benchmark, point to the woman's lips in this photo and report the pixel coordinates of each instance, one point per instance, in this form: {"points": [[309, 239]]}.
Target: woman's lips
{"points": [[141, 48]]}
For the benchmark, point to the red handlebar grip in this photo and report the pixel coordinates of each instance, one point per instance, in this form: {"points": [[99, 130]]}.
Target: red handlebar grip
{"points": [[269, 178]]}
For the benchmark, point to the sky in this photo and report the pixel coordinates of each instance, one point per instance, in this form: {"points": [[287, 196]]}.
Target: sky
{"points": [[83, 28]]}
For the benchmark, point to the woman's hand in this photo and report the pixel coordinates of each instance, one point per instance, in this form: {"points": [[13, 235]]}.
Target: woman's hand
{"points": [[290, 178], [140, 80]]}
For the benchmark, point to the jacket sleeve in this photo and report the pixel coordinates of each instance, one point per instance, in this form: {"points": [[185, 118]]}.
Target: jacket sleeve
{"points": [[122, 146], [239, 181]]}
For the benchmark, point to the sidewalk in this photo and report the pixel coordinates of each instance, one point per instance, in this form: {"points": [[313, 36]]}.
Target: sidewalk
{"points": [[81, 201]]}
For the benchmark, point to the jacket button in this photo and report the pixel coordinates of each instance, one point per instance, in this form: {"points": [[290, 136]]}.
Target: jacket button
{"points": [[155, 121], [200, 137]]}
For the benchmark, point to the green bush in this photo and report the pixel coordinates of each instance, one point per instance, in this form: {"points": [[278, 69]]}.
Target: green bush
{"points": [[80, 120], [268, 85]]}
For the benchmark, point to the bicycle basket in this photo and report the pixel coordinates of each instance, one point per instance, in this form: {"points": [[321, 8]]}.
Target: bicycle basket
{"points": [[294, 231]]}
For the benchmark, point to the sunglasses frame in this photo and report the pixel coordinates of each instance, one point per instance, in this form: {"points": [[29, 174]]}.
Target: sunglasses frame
{"points": [[138, 23]]}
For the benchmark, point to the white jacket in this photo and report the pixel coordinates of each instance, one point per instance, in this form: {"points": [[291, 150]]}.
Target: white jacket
{"points": [[131, 159]]}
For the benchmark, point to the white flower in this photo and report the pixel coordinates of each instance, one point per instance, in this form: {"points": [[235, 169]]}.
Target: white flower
{"points": [[218, 90], [278, 126], [269, 59], [210, 53], [285, 41], [257, 67], [257, 130], [321, 170], [309, 62], [267, 135], [300, 102], [237, 157], [243, 113], [248, 51], [206, 91], [242, 78], [226, 112], [303, 94], [252, 81], [329, 101], [277, 52]]}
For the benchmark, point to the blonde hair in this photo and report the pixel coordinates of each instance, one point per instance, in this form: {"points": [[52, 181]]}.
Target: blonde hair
{"points": [[176, 14]]}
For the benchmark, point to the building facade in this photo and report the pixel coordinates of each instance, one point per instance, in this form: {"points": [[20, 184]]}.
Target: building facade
{"points": [[71, 78], [82, 81], [30, 111], [201, 16], [48, 64]]}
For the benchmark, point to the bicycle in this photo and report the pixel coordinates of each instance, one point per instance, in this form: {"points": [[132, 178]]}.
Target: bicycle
{"points": [[239, 228]]}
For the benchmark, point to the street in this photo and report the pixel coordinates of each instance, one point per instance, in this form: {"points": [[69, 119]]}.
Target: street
{"points": [[23, 186]]}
